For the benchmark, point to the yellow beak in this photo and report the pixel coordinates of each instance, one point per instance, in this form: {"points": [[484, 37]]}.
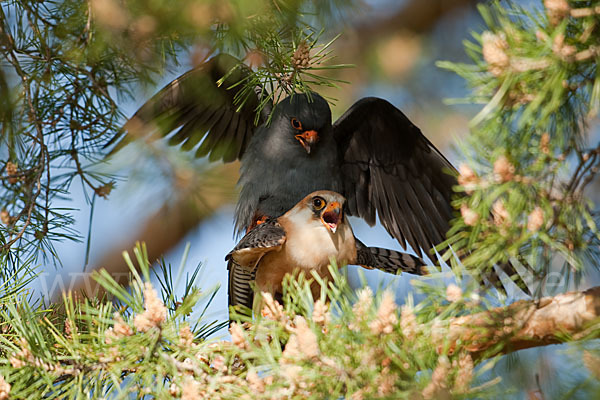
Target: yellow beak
{"points": [[331, 216]]}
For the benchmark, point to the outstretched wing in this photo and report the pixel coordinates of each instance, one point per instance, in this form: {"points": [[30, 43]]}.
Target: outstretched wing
{"points": [[391, 169], [200, 101]]}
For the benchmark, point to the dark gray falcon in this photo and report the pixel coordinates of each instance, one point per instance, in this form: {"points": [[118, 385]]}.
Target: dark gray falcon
{"points": [[373, 155]]}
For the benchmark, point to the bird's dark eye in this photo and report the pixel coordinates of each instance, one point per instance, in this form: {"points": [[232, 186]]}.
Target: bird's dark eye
{"points": [[318, 203], [296, 124]]}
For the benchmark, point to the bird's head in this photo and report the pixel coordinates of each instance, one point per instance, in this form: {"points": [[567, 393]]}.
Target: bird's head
{"points": [[326, 207], [305, 118], [318, 209]]}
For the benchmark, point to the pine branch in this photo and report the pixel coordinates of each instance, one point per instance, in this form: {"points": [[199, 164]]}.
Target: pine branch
{"points": [[340, 344], [34, 185], [524, 324], [537, 77]]}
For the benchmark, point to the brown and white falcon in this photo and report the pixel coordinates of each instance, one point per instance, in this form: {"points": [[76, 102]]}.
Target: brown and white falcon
{"points": [[307, 238]]}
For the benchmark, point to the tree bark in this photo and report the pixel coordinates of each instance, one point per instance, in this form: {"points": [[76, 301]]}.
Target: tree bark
{"points": [[419, 16], [528, 323]]}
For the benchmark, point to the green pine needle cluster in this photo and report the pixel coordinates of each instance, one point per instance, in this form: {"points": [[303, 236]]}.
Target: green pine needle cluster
{"points": [[125, 343], [135, 343], [529, 164]]}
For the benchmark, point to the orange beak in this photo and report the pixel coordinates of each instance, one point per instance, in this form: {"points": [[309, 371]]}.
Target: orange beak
{"points": [[332, 216], [308, 139]]}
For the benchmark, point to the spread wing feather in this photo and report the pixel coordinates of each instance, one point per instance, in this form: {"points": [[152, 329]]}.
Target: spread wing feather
{"points": [[203, 110], [389, 168]]}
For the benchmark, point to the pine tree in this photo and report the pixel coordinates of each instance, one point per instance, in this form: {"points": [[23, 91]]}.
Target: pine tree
{"points": [[66, 66]]}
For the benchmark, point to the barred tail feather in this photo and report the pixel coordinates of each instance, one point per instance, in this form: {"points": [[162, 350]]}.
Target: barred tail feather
{"points": [[390, 261], [240, 290]]}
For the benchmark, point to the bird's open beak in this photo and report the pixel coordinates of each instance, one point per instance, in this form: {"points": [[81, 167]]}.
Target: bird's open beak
{"points": [[308, 139], [332, 216]]}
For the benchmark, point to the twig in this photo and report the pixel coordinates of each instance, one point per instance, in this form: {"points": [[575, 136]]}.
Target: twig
{"points": [[587, 161], [39, 138]]}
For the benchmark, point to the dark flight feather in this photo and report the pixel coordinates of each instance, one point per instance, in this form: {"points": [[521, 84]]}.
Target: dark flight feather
{"points": [[376, 134], [196, 104]]}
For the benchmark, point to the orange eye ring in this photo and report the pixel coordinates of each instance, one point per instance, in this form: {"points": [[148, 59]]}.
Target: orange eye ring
{"points": [[318, 203], [296, 124]]}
